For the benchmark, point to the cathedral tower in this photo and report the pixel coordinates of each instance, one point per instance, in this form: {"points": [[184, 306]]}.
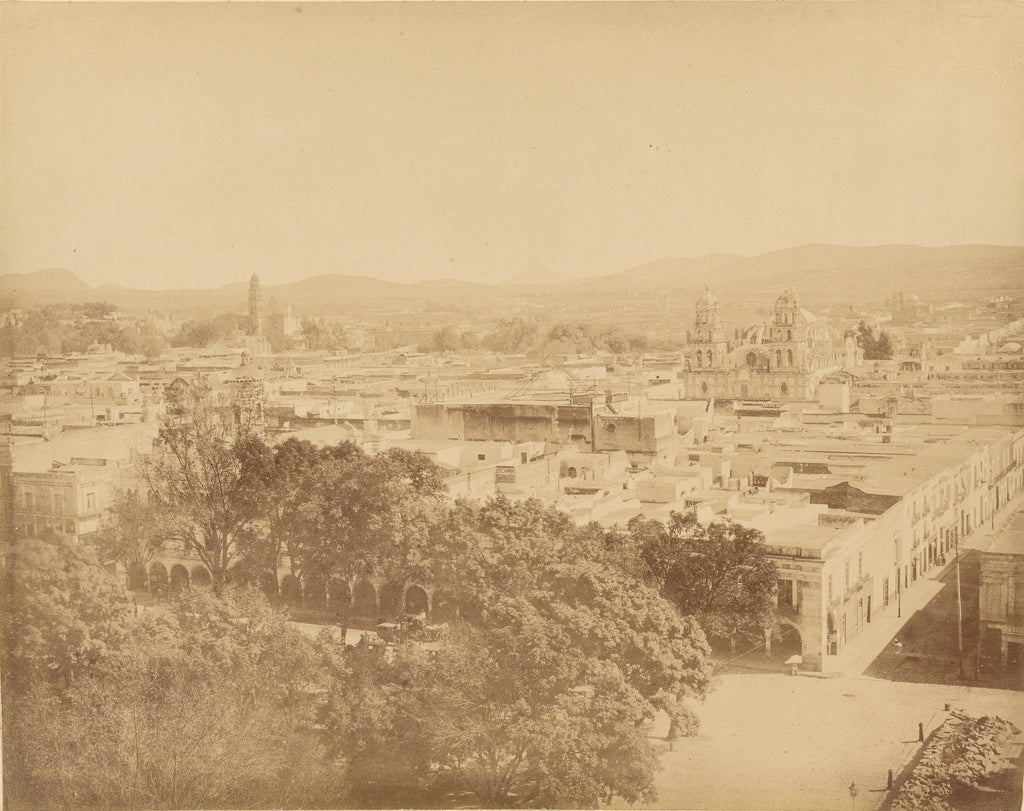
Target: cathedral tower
{"points": [[710, 347], [789, 332], [255, 306]]}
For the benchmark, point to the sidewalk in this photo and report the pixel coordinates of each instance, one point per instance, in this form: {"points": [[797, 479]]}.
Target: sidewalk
{"points": [[879, 633]]}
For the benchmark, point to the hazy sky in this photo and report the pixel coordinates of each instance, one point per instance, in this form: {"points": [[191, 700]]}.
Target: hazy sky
{"points": [[190, 145]]}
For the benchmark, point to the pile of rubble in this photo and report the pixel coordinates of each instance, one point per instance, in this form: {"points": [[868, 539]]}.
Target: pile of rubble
{"points": [[959, 756]]}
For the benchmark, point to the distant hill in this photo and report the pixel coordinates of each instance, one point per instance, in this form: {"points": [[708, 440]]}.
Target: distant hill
{"points": [[44, 286], [821, 274], [836, 272], [317, 295]]}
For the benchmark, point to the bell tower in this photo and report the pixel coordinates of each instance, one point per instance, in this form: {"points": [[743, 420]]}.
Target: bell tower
{"points": [[710, 346], [789, 332]]}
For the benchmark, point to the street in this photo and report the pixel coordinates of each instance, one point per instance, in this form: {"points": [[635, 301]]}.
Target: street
{"points": [[782, 742]]}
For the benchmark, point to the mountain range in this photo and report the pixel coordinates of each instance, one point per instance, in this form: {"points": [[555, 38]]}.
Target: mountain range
{"points": [[822, 274]]}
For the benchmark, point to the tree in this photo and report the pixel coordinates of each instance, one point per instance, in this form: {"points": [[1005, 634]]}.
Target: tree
{"points": [[65, 614], [210, 705], [336, 512], [203, 332], [481, 556], [131, 534], [498, 717], [196, 485], [282, 479], [720, 574], [512, 335], [446, 340], [874, 348]]}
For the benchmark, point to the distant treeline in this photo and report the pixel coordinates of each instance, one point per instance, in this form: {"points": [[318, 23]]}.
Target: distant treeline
{"points": [[533, 337], [61, 329], [875, 347]]}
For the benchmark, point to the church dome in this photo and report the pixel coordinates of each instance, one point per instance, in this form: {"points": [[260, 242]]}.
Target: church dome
{"points": [[788, 299], [708, 298]]}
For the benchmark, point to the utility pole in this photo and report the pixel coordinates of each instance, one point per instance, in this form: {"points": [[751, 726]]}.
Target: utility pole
{"points": [[959, 610]]}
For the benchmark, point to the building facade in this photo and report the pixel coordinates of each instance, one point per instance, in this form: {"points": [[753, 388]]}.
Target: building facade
{"points": [[783, 359]]}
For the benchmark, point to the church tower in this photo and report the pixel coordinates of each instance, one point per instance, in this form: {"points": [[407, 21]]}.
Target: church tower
{"points": [[789, 333], [255, 306], [710, 348]]}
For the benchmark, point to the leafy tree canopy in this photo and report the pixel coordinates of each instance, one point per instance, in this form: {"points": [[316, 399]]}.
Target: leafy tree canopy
{"points": [[720, 574]]}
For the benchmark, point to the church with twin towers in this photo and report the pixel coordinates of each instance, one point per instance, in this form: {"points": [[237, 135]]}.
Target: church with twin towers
{"points": [[783, 359]]}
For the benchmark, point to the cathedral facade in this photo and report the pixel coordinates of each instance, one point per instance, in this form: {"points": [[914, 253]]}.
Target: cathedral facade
{"points": [[783, 359]]}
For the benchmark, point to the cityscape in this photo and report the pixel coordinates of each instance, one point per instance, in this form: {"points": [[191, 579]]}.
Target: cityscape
{"points": [[404, 406]]}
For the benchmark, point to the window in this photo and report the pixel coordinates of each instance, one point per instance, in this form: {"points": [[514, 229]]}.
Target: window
{"points": [[885, 592], [789, 357], [860, 565], [789, 335], [700, 359], [28, 501], [481, 457], [90, 501], [846, 577], [778, 357], [709, 358], [830, 589], [786, 596]]}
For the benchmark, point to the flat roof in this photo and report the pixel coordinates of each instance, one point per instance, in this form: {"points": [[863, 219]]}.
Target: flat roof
{"points": [[800, 536], [916, 453], [1010, 540]]}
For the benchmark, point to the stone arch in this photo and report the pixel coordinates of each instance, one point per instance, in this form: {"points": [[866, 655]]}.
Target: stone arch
{"points": [[700, 359], [201, 577], [364, 599], [269, 586], [789, 357], [339, 596], [709, 359], [291, 591], [778, 358], [314, 591], [416, 600], [136, 576], [788, 639], [179, 577], [571, 473], [157, 577], [391, 600]]}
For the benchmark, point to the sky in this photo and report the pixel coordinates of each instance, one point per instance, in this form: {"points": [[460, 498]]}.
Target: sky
{"points": [[172, 145]]}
